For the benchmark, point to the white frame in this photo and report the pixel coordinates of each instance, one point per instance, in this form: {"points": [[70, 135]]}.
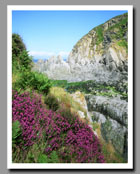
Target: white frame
{"points": [[11, 165]]}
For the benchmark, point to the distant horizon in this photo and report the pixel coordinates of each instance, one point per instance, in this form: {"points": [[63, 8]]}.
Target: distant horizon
{"points": [[48, 33]]}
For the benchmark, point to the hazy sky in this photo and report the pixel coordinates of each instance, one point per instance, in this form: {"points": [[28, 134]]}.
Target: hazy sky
{"points": [[47, 33]]}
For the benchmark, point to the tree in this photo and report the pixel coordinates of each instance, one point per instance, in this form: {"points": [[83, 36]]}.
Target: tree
{"points": [[20, 58]]}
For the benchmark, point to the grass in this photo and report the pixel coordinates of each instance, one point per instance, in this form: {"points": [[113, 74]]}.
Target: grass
{"points": [[91, 87], [99, 35], [66, 100], [123, 43], [120, 30], [111, 156]]}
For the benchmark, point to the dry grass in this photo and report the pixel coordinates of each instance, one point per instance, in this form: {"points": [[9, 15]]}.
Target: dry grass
{"points": [[111, 156], [67, 101], [15, 77]]}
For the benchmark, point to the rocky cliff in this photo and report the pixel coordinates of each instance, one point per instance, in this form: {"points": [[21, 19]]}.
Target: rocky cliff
{"points": [[100, 55]]}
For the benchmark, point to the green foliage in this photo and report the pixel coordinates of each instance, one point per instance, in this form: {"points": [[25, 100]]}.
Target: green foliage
{"points": [[121, 28], [110, 155], [121, 25], [95, 126], [42, 158], [60, 83], [54, 157], [21, 61], [94, 88], [16, 133], [30, 157], [17, 45], [123, 43], [25, 61], [67, 114], [99, 35], [52, 102], [33, 80]]}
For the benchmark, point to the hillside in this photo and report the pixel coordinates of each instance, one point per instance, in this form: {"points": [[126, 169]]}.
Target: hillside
{"points": [[48, 124], [100, 55]]}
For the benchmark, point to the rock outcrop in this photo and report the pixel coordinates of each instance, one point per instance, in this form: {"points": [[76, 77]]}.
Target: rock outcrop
{"points": [[100, 55], [111, 113], [54, 67]]}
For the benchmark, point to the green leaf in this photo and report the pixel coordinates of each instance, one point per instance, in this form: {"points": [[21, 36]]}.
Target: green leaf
{"points": [[42, 158], [16, 131]]}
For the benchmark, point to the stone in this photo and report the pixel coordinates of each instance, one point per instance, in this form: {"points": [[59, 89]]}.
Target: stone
{"points": [[115, 133], [114, 108], [88, 60]]}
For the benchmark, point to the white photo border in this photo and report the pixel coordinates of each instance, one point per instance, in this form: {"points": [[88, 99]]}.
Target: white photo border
{"points": [[11, 165]]}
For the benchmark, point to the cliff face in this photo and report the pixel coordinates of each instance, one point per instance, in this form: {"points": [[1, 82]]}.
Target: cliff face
{"points": [[100, 55]]}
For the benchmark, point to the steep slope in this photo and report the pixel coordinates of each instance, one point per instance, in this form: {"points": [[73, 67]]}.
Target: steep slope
{"points": [[100, 55]]}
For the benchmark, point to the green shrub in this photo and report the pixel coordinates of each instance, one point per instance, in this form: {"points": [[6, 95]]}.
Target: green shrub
{"points": [[16, 132], [42, 158], [33, 80], [60, 83], [54, 157], [121, 26], [17, 45], [25, 61], [123, 43], [21, 61], [52, 102], [95, 125]]}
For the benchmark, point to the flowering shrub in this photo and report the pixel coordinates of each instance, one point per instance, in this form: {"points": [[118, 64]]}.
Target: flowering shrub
{"points": [[70, 139], [28, 111]]}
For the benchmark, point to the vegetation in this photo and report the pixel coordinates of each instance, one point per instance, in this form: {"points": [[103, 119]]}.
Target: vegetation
{"points": [[21, 61], [115, 33], [93, 88], [32, 81], [110, 155], [65, 138], [99, 35], [123, 43], [120, 29], [46, 127]]}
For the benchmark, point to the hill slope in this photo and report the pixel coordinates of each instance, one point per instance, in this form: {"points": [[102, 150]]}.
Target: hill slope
{"points": [[100, 55]]}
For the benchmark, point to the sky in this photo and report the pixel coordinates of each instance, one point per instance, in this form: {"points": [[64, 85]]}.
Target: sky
{"points": [[47, 33]]}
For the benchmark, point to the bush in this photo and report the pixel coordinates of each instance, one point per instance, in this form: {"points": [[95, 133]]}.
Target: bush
{"points": [[27, 110], [53, 158], [20, 58], [17, 45], [33, 80], [73, 140], [16, 132], [52, 102]]}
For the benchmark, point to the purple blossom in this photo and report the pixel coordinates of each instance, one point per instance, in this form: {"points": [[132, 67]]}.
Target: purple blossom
{"points": [[73, 140]]}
